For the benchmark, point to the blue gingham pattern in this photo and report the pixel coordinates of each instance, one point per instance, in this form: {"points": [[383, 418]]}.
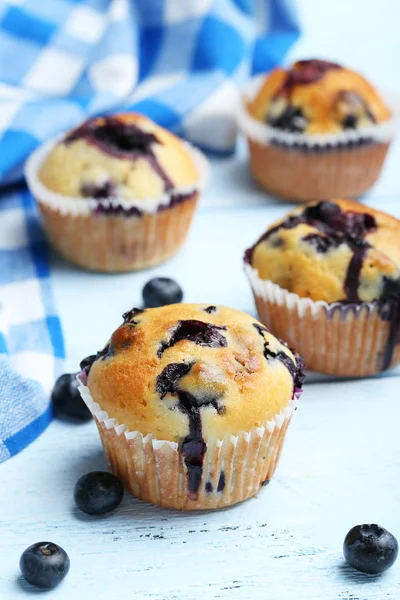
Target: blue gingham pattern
{"points": [[61, 61], [180, 62], [31, 343]]}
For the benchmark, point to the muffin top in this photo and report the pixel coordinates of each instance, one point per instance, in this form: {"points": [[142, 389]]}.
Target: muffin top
{"points": [[317, 97], [125, 156], [192, 372], [336, 251]]}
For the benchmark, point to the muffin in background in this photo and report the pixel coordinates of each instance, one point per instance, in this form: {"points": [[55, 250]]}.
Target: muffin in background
{"points": [[316, 130], [192, 403], [117, 193], [326, 279]]}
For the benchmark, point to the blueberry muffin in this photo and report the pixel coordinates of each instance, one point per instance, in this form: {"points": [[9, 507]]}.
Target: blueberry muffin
{"points": [[117, 193], [316, 130], [326, 278], [192, 403]]}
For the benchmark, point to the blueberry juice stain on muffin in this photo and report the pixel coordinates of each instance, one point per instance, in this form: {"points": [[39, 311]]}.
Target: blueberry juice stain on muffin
{"points": [[122, 140], [172, 382], [337, 228], [193, 446], [308, 71], [202, 334], [296, 370], [341, 228]]}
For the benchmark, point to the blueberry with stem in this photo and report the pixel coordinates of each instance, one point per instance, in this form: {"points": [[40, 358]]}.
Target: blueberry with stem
{"points": [[44, 564]]}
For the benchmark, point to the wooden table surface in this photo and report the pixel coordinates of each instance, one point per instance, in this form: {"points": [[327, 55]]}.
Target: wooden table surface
{"points": [[340, 465]]}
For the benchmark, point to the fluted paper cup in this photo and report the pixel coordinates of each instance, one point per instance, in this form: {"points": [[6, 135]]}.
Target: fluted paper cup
{"points": [[153, 470], [303, 167], [348, 340], [112, 234]]}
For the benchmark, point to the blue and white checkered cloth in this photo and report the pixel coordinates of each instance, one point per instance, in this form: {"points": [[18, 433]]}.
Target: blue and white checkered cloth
{"points": [[31, 342], [178, 61]]}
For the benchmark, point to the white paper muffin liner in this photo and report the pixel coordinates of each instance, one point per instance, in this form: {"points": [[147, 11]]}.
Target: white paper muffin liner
{"points": [[154, 470], [69, 205], [264, 134], [346, 340]]}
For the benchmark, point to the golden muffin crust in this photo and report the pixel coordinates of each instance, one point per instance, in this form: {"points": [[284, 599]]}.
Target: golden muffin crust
{"points": [[192, 373], [125, 156], [336, 251], [317, 97]]}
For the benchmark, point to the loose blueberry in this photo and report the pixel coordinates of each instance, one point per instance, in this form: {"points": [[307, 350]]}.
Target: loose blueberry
{"points": [[370, 549], [44, 564], [98, 493], [161, 291], [67, 401]]}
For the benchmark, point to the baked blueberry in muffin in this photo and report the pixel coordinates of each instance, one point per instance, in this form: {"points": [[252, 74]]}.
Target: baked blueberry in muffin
{"points": [[316, 130], [203, 388], [117, 193], [341, 254]]}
